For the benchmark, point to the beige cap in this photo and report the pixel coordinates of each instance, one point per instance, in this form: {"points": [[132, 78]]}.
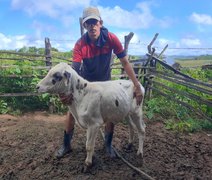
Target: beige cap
{"points": [[91, 13]]}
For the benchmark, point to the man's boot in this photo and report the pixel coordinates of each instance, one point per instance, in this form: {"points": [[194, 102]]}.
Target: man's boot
{"points": [[66, 147], [108, 144]]}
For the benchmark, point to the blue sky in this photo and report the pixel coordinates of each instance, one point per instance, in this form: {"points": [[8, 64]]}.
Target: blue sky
{"points": [[181, 24]]}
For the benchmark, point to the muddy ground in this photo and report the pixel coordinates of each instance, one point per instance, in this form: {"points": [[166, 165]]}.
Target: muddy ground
{"points": [[28, 144]]}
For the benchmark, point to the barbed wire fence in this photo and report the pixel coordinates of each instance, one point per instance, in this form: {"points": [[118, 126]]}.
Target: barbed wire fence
{"points": [[135, 45], [145, 69]]}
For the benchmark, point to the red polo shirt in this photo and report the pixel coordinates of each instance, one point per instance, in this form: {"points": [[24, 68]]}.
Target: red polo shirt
{"points": [[95, 58]]}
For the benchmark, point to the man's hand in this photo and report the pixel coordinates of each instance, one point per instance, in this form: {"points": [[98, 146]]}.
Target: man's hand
{"points": [[138, 94], [66, 99]]}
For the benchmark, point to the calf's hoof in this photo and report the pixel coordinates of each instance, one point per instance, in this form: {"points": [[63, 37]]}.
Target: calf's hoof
{"points": [[139, 153], [86, 168], [128, 147]]}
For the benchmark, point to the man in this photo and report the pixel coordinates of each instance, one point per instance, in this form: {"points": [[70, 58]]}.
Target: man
{"points": [[91, 59]]}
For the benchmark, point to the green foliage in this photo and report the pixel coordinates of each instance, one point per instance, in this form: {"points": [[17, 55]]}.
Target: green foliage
{"points": [[159, 105], [32, 50], [152, 107], [53, 103], [175, 116], [25, 78], [205, 57], [3, 107], [194, 61], [198, 73], [58, 107], [181, 126], [116, 71], [189, 125]]}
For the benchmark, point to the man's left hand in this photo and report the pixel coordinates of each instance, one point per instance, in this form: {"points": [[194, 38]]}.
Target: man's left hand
{"points": [[138, 94]]}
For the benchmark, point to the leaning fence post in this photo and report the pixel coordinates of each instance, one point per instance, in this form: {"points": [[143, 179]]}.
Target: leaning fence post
{"points": [[127, 40], [48, 52]]}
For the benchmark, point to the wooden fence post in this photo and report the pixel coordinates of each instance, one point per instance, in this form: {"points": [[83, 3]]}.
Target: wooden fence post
{"points": [[150, 63], [82, 29], [149, 86], [48, 52], [127, 39], [49, 63], [163, 51]]}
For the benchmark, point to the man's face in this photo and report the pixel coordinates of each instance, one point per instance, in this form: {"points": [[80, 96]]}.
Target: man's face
{"points": [[93, 27]]}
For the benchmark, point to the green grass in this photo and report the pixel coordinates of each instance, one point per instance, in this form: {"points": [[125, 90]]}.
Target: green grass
{"points": [[189, 125], [175, 117], [193, 62]]}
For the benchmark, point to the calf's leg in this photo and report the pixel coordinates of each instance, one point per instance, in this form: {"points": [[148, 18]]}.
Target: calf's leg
{"points": [[90, 143], [137, 123], [131, 133]]}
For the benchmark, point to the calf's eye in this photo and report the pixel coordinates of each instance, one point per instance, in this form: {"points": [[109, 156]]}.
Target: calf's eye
{"points": [[53, 81], [57, 76]]}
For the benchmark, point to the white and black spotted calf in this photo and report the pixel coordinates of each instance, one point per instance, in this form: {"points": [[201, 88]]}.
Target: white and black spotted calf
{"points": [[95, 103]]}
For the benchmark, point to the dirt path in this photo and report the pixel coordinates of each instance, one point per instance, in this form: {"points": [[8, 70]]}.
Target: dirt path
{"points": [[28, 144]]}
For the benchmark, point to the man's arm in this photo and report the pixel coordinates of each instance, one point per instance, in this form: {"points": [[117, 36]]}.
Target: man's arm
{"points": [[130, 72]]}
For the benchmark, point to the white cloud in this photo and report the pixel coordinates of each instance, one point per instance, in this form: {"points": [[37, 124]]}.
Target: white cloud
{"points": [[179, 47], [122, 21], [40, 27], [121, 18], [67, 10], [190, 42], [201, 18], [8, 42], [134, 47], [141, 17], [137, 47], [4, 40], [52, 8], [67, 20], [163, 42], [17, 42], [63, 11], [165, 22]]}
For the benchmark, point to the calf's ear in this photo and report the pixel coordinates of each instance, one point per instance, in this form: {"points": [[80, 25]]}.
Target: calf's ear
{"points": [[67, 75]]}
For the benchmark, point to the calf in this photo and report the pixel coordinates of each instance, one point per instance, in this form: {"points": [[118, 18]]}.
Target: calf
{"points": [[96, 103]]}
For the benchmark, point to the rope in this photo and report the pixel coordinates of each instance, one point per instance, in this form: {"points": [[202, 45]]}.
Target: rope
{"points": [[129, 164]]}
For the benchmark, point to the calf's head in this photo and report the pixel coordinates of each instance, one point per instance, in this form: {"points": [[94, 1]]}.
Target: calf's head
{"points": [[56, 81]]}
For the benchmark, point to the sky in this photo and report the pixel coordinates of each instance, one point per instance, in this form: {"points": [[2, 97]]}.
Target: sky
{"points": [[185, 25]]}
